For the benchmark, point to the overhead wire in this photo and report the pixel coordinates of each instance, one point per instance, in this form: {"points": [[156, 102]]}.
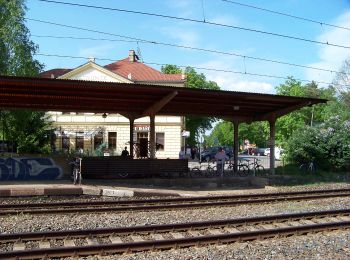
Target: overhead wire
{"points": [[287, 15], [134, 39], [197, 21], [195, 67]]}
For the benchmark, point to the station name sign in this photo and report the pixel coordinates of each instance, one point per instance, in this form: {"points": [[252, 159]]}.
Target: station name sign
{"points": [[141, 128]]}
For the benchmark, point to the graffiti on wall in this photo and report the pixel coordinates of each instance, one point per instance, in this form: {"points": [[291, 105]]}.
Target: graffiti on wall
{"points": [[26, 168]]}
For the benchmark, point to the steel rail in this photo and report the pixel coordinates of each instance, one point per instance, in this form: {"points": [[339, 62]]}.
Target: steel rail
{"points": [[103, 249], [153, 201], [169, 200], [167, 206], [168, 227]]}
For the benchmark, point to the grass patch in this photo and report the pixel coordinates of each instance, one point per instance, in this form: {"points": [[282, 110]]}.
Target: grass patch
{"points": [[296, 176]]}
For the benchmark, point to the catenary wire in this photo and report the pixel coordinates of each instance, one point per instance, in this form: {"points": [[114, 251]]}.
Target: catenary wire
{"points": [[133, 39], [195, 67], [199, 21], [286, 14]]}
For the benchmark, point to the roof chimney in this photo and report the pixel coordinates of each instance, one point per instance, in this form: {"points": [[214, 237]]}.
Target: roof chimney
{"points": [[183, 75], [132, 56]]}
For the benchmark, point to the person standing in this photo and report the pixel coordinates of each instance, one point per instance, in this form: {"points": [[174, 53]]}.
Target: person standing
{"points": [[182, 153], [125, 152], [220, 157]]}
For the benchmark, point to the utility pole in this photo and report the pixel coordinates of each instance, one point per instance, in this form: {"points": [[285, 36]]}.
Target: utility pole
{"points": [[3, 130]]}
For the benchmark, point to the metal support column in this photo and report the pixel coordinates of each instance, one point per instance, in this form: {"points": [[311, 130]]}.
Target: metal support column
{"points": [[235, 145], [152, 137], [131, 137], [272, 123]]}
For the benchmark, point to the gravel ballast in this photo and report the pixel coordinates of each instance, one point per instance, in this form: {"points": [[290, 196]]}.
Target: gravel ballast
{"points": [[327, 245]]}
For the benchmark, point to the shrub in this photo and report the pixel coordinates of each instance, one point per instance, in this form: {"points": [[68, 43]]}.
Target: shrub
{"points": [[328, 144]]}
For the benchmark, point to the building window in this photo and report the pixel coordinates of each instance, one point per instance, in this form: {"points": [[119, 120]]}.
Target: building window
{"points": [[160, 141], [65, 142], [112, 140], [98, 140], [79, 142]]}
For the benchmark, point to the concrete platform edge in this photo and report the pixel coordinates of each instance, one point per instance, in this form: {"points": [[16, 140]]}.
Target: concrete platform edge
{"points": [[73, 191]]}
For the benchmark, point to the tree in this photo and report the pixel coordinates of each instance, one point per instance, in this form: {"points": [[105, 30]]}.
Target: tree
{"points": [[195, 125], [342, 84], [16, 49], [222, 134], [28, 130], [325, 144], [342, 79], [31, 131], [316, 114]]}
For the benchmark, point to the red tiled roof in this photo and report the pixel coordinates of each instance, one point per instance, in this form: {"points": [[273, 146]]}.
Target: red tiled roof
{"points": [[140, 71], [55, 72]]}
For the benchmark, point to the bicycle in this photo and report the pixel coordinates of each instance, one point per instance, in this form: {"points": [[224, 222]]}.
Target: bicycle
{"points": [[308, 167], [257, 167], [76, 173], [198, 171], [242, 167]]}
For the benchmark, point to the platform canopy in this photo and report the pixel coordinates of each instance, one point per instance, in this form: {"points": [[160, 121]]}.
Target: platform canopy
{"points": [[138, 100]]}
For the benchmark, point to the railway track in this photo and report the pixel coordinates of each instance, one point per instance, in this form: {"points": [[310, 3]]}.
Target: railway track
{"points": [[165, 204], [143, 238]]}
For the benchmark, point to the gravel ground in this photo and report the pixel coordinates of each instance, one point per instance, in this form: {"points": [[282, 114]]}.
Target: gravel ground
{"points": [[331, 245], [30, 223], [48, 199]]}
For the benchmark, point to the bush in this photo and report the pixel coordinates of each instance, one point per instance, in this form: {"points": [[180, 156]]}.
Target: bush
{"points": [[327, 144]]}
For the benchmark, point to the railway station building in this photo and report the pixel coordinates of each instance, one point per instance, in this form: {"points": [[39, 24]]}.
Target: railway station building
{"points": [[87, 132]]}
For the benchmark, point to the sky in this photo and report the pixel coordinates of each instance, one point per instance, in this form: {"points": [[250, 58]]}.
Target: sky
{"points": [[118, 31]]}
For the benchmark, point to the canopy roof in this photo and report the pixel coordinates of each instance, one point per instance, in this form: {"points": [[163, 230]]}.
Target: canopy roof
{"points": [[138, 100]]}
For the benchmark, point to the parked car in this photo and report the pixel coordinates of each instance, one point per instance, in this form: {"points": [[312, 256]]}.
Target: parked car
{"points": [[209, 153], [254, 151], [278, 152], [260, 151]]}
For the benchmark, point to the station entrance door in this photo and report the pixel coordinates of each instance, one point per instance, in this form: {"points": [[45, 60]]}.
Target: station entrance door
{"points": [[142, 140]]}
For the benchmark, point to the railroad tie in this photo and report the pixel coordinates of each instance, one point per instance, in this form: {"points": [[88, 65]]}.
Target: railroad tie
{"points": [[345, 218], [268, 226], [137, 238], [68, 242], [177, 235], [92, 241], [251, 228], [334, 219], [232, 230], [19, 246], [321, 220], [215, 231], [294, 223], [308, 222], [157, 237], [116, 240], [281, 225], [194, 233], [44, 244]]}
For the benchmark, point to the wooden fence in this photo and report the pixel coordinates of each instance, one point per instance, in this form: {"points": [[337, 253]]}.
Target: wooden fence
{"points": [[113, 167]]}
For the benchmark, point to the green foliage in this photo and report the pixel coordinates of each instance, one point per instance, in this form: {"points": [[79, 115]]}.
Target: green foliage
{"points": [[16, 49], [100, 149], [256, 132], [194, 80], [328, 144], [222, 134], [288, 124], [30, 131]]}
